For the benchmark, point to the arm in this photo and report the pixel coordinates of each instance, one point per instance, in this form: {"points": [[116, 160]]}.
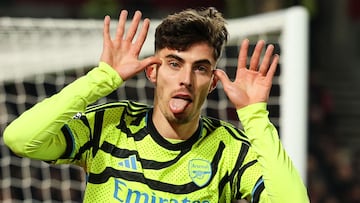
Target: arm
{"points": [[119, 61], [249, 93], [36, 133], [281, 179]]}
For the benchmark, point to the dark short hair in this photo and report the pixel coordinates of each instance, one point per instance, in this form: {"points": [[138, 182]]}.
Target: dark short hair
{"points": [[181, 30]]}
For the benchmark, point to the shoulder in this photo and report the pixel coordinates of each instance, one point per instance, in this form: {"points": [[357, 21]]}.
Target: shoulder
{"points": [[131, 107], [116, 111], [223, 130]]}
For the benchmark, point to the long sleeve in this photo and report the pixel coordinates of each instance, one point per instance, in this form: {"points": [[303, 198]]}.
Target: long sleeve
{"points": [[281, 179], [37, 132]]}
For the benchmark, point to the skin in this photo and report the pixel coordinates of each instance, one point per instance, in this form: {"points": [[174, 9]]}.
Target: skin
{"points": [[176, 73], [185, 74]]}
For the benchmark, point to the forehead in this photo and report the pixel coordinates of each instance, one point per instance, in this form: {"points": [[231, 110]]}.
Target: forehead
{"points": [[196, 52]]}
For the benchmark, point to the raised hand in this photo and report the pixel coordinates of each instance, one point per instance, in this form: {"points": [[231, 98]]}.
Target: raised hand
{"points": [[253, 84], [122, 52]]}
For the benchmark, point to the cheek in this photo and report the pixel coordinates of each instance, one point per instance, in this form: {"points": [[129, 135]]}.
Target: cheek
{"points": [[203, 91], [205, 84], [167, 79], [163, 85]]}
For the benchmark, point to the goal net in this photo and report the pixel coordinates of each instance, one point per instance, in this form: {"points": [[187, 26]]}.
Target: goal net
{"points": [[41, 56]]}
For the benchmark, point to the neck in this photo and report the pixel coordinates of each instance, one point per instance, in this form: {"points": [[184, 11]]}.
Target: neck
{"points": [[173, 129]]}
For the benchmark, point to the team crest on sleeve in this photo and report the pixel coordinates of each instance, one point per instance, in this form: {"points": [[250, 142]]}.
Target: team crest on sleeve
{"points": [[200, 171]]}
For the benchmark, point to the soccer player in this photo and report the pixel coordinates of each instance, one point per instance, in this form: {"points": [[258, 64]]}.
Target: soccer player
{"points": [[168, 152]]}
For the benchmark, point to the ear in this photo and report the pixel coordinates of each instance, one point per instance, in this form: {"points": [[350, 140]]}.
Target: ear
{"points": [[213, 83], [150, 72]]}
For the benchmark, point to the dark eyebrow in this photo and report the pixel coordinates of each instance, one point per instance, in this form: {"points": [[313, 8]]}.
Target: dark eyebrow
{"points": [[172, 56], [202, 61]]}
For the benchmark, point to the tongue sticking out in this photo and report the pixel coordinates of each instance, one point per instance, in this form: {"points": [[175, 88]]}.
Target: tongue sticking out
{"points": [[178, 105]]}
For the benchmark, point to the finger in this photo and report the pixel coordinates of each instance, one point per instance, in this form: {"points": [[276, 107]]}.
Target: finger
{"points": [[121, 25], [142, 36], [255, 58], [243, 54], [222, 76], [242, 59], [134, 68], [270, 74], [134, 26], [266, 60], [150, 61], [106, 41], [106, 32]]}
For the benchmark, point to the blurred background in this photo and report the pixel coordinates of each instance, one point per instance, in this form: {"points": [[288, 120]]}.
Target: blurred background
{"points": [[334, 72]]}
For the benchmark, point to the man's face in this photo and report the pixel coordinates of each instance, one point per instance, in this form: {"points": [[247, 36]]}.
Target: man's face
{"points": [[182, 82]]}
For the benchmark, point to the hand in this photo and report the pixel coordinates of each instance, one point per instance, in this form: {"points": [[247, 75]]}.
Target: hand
{"points": [[253, 84], [122, 53]]}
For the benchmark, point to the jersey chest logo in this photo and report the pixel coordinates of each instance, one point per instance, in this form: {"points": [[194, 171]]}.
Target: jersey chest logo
{"points": [[199, 171]]}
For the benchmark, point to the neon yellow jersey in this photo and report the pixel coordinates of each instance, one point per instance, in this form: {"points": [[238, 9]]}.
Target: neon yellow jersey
{"points": [[127, 160]]}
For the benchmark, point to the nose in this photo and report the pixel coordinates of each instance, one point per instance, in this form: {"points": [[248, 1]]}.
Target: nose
{"points": [[186, 77]]}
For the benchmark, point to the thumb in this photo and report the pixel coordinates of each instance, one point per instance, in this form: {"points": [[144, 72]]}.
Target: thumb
{"points": [[222, 76], [151, 61]]}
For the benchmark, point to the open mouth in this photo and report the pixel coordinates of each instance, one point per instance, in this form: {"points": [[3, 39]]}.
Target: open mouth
{"points": [[183, 97], [179, 103]]}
